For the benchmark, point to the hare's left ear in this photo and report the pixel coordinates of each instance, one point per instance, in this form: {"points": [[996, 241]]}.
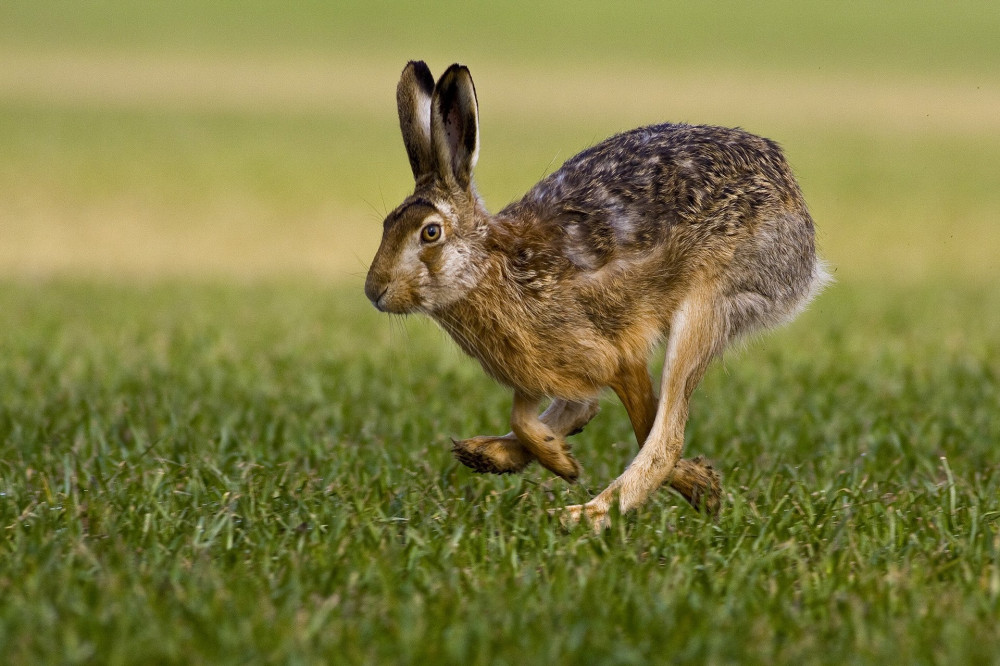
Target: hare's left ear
{"points": [[455, 126], [413, 101]]}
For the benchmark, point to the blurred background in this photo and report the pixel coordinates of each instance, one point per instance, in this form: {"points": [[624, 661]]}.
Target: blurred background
{"points": [[255, 140]]}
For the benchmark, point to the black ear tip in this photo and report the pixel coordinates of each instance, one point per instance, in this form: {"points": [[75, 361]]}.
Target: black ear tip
{"points": [[454, 74], [422, 74], [455, 69], [419, 67]]}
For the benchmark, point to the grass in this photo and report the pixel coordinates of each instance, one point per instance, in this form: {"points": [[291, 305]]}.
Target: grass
{"points": [[213, 450], [232, 474]]}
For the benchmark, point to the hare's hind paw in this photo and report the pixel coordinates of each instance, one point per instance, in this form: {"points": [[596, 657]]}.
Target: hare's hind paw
{"points": [[492, 455], [698, 482]]}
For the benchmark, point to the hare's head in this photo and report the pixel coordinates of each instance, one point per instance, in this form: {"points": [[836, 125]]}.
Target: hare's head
{"points": [[431, 242]]}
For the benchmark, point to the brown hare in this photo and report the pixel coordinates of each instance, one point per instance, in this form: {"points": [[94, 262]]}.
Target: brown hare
{"points": [[694, 235]]}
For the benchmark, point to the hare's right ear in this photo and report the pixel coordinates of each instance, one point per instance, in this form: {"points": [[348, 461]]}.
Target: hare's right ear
{"points": [[455, 126], [413, 99]]}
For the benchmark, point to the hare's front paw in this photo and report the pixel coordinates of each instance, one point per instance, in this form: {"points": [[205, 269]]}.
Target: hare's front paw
{"points": [[492, 455], [562, 463], [596, 515]]}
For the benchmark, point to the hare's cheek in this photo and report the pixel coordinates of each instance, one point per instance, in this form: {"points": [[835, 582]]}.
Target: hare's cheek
{"points": [[434, 260]]}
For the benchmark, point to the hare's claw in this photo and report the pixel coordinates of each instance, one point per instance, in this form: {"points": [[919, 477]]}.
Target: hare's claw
{"points": [[492, 455]]}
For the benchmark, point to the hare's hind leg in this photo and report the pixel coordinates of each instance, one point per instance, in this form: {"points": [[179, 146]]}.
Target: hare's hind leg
{"points": [[506, 454], [695, 479], [697, 334]]}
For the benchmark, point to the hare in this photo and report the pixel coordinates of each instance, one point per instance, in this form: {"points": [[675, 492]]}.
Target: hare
{"points": [[692, 235]]}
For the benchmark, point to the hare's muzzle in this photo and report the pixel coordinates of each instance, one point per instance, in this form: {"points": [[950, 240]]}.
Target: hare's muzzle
{"points": [[376, 290]]}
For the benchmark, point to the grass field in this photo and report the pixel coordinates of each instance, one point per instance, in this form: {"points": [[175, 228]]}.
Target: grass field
{"points": [[213, 450], [229, 474]]}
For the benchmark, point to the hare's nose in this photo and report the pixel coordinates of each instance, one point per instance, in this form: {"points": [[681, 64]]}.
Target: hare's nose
{"points": [[378, 301], [375, 294]]}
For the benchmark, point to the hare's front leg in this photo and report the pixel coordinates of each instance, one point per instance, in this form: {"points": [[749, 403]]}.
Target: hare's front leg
{"points": [[697, 333], [544, 443], [507, 454]]}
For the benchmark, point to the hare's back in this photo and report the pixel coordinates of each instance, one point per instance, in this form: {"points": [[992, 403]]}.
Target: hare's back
{"points": [[631, 192], [670, 172]]}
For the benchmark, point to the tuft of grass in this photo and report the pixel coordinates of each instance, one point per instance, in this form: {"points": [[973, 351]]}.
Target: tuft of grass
{"points": [[224, 474]]}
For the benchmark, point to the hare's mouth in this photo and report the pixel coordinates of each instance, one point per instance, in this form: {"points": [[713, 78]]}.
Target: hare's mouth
{"points": [[392, 302], [379, 301]]}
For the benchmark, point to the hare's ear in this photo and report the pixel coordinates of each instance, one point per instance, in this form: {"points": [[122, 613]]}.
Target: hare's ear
{"points": [[413, 99], [455, 126]]}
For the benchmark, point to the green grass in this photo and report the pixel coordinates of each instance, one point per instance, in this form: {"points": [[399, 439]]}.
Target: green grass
{"points": [[261, 474]]}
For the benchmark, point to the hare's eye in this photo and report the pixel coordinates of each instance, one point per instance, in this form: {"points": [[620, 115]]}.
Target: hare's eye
{"points": [[431, 233]]}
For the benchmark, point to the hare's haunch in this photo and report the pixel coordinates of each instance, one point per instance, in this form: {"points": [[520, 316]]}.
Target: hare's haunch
{"points": [[694, 235]]}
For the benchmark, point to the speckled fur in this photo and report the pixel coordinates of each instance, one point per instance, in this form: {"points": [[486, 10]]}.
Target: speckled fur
{"points": [[693, 234]]}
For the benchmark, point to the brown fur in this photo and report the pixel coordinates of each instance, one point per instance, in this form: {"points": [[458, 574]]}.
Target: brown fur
{"points": [[691, 234]]}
